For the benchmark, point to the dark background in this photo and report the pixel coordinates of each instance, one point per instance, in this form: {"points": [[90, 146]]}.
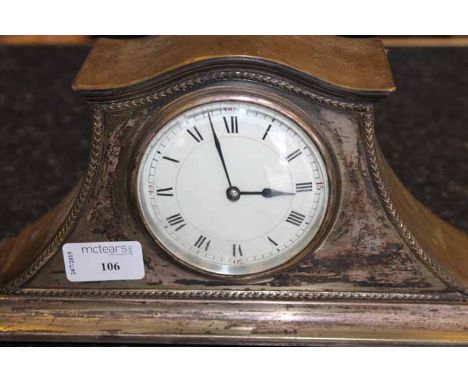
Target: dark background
{"points": [[45, 129]]}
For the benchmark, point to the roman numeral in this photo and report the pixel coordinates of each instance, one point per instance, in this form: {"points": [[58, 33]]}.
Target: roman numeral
{"points": [[176, 220], [303, 187], [195, 135], [171, 159], [233, 127], [201, 240], [266, 132], [165, 191], [272, 241], [236, 249], [295, 218], [293, 155]]}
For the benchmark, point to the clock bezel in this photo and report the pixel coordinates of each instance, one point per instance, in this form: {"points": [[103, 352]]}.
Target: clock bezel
{"points": [[241, 92]]}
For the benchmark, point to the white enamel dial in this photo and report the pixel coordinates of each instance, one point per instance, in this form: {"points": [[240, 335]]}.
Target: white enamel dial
{"points": [[232, 188]]}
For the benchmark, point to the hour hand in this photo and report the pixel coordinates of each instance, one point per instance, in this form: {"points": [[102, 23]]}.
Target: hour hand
{"points": [[267, 193], [270, 193]]}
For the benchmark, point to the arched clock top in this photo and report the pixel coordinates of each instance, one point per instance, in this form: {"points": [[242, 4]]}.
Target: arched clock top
{"points": [[356, 67]]}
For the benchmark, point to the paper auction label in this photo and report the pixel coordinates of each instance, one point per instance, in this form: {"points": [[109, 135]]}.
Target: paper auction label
{"points": [[103, 261]]}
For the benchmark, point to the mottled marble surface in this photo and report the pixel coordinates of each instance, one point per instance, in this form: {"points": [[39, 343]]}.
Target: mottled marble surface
{"points": [[45, 129], [423, 127]]}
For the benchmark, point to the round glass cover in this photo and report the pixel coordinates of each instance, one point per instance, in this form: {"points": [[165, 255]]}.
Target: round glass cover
{"points": [[232, 188]]}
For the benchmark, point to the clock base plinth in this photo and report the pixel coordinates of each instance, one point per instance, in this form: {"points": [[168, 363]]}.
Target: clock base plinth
{"points": [[115, 320]]}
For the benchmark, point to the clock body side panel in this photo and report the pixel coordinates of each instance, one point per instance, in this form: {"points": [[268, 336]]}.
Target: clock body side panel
{"points": [[17, 253], [446, 246]]}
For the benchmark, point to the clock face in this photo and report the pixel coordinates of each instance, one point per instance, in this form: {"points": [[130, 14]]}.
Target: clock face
{"points": [[232, 188]]}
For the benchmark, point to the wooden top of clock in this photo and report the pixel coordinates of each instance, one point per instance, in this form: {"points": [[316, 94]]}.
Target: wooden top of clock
{"points": [[358, 66]]}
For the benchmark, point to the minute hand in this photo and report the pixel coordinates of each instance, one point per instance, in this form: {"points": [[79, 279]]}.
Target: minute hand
{"points": [[220, 152], [267, 193]]}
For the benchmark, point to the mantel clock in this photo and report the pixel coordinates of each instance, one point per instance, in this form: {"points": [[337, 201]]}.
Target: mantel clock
{"points": [[236, 193]]}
